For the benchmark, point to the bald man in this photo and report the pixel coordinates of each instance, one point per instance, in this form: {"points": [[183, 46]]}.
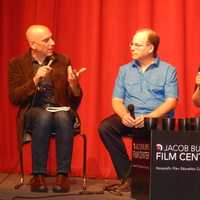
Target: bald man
{"points": [[151, 86], [47, 91]]}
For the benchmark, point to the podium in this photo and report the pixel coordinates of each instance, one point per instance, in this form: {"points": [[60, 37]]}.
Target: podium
{"points": [[167, 166], [140, 168]]}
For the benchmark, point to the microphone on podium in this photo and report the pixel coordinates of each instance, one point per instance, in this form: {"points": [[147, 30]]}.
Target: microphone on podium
{"points": [[131, 110]]}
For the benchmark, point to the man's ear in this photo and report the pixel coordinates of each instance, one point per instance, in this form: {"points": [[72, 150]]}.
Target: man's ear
{"points": [[32, 44], [151, 49]]}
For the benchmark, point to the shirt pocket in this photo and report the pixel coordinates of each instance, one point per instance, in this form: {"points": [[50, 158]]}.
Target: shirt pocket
{"points": [[155, 86], [132, 87]]}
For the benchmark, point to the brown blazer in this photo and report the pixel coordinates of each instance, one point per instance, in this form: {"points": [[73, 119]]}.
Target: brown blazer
{"points": [[22, 88]]}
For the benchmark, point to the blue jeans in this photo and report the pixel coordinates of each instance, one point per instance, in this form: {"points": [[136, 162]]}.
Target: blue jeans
{"points": [[42, 123]]}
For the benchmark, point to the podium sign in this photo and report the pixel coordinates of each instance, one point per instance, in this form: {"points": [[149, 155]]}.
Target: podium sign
{"points": [[141, 169], [175, 165]]}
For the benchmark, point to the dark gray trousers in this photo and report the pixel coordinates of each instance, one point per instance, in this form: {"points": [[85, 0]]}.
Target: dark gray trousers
{"points": [[111, 132]]}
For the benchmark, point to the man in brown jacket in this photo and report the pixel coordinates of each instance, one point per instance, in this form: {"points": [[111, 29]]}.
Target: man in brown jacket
{"points": [[46, 89]]}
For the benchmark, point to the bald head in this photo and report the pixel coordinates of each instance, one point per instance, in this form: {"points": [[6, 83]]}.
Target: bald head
{"points": [[35, 32], [40, 40]]}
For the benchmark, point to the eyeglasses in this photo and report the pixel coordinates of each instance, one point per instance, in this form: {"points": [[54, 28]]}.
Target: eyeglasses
{"points": [[138, 46]]}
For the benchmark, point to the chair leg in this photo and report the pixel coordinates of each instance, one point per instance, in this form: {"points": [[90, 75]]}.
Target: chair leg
{"points": [[21, 167], [84, 160]]}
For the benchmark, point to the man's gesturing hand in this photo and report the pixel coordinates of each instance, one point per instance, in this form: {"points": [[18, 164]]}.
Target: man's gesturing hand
{"points": [[74, 74]]}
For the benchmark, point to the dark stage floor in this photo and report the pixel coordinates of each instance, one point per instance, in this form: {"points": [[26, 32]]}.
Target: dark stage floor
{"points": [[7, 191]]}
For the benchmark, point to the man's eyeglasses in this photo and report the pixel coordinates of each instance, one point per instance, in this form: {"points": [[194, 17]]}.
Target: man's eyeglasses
{"points": [[138, 46]]}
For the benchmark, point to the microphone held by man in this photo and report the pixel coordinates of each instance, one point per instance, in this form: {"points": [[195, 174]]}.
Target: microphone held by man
{"points": [[43, 71], [131, 110]]}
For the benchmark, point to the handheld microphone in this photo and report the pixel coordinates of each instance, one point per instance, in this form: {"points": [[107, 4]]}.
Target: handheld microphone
{"points": [[49, 63], [52, 58], [131, 110]]}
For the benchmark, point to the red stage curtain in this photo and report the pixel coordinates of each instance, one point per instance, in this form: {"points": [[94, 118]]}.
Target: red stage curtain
{"points": [[96, 35]]}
